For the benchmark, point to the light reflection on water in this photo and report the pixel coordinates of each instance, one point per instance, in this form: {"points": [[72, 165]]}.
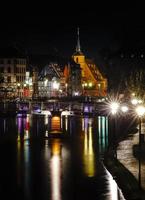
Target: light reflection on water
{"points": [[88, 153], [55, 170], [103, 133], [52, 169]]}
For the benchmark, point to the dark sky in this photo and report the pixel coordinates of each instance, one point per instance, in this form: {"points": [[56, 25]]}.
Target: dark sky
{"points": [[41, 29]]}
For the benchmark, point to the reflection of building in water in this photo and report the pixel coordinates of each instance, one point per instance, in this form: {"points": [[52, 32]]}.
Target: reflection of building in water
{"points": [[23, 124], [55, 170], [88, 151], [23, 160], [64, 123], [47, 124], [58, 157], [102, 133], [27, 127]]}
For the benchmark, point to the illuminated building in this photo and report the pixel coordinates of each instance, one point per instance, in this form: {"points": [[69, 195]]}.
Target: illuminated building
{"points": [[51, 81], [72, 72], [12, 72], [35, 82], [93, 82]]}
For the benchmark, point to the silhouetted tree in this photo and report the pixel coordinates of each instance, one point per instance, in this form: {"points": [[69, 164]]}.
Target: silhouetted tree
{"points": [[136, 82]]}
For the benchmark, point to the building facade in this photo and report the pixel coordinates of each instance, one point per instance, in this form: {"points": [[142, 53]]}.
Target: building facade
{"points": [[51, 82], [13, 75], [93, 82]]}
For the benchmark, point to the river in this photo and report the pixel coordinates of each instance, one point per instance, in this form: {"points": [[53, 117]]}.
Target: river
{"points": [[36, 166]]}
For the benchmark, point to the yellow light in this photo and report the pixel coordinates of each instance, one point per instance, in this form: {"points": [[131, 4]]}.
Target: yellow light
{"points": [[140, 101], [88, 156], [90, 84], [55, 123], [140, 110], [56, 148], [85, 84]]}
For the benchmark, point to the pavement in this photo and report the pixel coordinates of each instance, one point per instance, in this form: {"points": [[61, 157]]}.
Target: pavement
{"points": [[123, 177]]}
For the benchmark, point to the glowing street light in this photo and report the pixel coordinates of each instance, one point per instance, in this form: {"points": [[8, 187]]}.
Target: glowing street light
{"points": [[134, 101], [140, 111], [124, 109], [114, 107]]}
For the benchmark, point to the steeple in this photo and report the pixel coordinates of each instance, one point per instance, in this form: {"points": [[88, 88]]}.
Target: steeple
{"points": [[78, 47], [78, 56]]}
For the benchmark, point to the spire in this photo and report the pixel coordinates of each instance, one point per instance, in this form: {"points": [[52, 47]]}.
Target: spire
{"points": [[78, 47]]}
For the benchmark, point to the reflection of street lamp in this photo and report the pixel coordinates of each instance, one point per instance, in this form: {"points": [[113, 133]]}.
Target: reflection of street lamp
{"points": [[114, 106]]}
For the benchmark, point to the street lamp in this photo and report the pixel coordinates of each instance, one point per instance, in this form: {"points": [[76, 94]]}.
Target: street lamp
{"points": [[114, 106], [140, 110], [124, 109]]}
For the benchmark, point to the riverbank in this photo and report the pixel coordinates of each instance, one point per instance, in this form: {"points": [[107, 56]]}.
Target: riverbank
{"points": [[129, 185], [125, 180]]}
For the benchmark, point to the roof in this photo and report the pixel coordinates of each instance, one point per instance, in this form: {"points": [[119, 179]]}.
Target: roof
{"points": [[79, 53], [89, 61]]}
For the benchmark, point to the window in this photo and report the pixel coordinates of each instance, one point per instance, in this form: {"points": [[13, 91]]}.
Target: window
{"points": [[9, 70], [17, 79], [9, 79]]}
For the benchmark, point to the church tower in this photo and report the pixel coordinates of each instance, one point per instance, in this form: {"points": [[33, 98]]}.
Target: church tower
{"points": [[78, 56], [93, 82]]}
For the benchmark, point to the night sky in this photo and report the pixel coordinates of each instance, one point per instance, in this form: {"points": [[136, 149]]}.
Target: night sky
{"points": [[43, 29]]}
